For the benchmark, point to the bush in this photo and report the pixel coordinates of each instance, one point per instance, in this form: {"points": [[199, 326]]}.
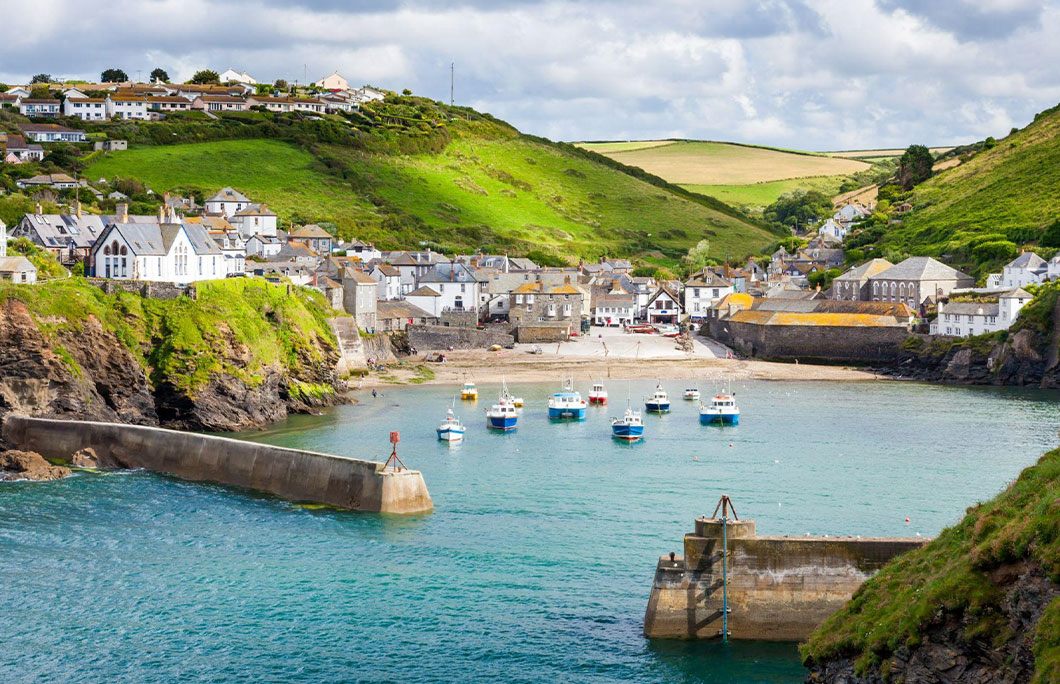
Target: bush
{"points": [[995, 250]]}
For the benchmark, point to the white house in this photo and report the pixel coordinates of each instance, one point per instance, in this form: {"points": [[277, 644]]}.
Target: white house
{"points": [[220, 103], [86, 108], [234, 249], [227, 202], [365, 251], [232, 76], [266, 246], [389, 279], [664, 306], [614, 308], [1026, 269], [173, 252], [964, 319], [49, 133], [368, 94], [254, 219], [702, 291], [126, 107], [359, 298], [1053, 270], [412, 266], [427, 299], [333, 82], [833, 229], [457, 285], [849, 213], [36, 108]]}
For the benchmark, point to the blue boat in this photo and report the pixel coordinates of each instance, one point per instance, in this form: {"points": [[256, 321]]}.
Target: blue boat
{"points": [[567, 404], [630, 427], [658, 402], [722, 411], [503, 415], [451, 429]]}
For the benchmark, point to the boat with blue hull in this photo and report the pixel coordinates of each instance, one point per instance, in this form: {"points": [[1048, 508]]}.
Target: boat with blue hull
{"points": [[658, 402], [721, 411], [567, 404], [503, 415], [451, 429], [630, 427]]}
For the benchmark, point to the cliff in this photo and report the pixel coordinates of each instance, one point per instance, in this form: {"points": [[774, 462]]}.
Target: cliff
{"points": [[981, 603], [1027, 354], [238, 353]]}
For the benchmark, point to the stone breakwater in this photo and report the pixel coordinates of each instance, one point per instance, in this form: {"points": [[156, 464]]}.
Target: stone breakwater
{"points": [[778, 588], [288, 473]]}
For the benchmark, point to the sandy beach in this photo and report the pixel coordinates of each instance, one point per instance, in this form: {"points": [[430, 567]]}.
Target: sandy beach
{"points": [[609, 353]]}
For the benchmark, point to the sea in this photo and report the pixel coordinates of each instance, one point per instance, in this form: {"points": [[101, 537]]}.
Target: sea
{"points": [[536, 563]]}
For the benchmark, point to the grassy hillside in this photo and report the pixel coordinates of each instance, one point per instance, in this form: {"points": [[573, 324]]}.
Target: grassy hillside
{"points": [[959, 575], [240, 327], [1006, 194], [477, 183], [741, 175]]}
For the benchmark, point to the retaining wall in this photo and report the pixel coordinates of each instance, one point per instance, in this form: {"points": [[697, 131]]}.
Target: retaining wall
{"points": [[779, 588], [288, 473], [425, 337], [809, 343], [150, 289]]}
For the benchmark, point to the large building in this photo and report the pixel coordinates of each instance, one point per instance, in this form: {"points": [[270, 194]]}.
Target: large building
{"points": [[854, 285], [917, 280], [176, 253], [964, 319]]}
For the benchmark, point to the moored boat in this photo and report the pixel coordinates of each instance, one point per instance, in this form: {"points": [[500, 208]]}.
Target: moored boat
{"points": [[691, 394], [469, 392], [630, 427], [451, 429], [567, 403], [721, 411], [658, 402], [503, 415], [598, 394]]}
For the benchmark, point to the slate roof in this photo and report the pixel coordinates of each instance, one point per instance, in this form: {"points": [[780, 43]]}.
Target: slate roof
{"points": [[866, 270], [60, 230], [153, 239], [16, 264], [1027, 260], [1017, 293], [388, 270], [359, 277], [255, 209], [449, 272], [229, 195], [385, 309], [921, 268], [972, 308], [311, 231], [423, 291]]}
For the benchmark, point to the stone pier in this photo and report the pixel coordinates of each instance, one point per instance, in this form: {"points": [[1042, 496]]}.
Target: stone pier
{"points": [[779, 588], [292, 474]]}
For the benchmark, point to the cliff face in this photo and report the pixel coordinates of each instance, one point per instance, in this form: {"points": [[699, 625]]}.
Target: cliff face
{"points": [[979, 604], [237, 356]]}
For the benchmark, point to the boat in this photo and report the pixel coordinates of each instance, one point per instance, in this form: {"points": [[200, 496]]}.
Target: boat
{"points": [[668, 330], [451, 429], [658, 402], [691, 394], [630, 427], [598, 395], [722, 410], [515, 401], [469, 392], [503, 415], [640, 328], [567, 403]]}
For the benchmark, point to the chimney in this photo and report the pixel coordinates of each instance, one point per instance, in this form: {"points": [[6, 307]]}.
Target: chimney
{"points": [[162, 214], [77, 208], [123, 212], [40, 209]]}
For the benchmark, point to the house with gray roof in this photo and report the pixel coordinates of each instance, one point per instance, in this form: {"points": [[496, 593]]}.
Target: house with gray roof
{"points": [[177, 253], [979, 316], [854, 285], [1026, 269], [915, 280], [227, 201], [456, 283], [69, 237]]}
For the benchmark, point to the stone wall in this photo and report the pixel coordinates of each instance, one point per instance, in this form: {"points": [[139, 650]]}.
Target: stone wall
{"points": [[544, 332], [847, 344], [426, 337], [779, 588], [459, 319], [144, 288], [288, 473]]}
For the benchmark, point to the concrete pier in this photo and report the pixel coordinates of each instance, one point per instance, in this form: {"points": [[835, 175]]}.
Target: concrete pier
{"points": [[288, 473], [779, 588]]}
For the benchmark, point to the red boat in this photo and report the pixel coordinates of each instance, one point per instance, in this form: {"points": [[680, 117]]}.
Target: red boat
{"points": [[598, 395], [640, 329]]}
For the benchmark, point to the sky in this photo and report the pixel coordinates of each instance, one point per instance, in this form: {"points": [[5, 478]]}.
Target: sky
{"points": [[806, 74]]}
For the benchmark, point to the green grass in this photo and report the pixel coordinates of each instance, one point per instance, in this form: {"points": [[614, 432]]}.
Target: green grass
{"points": [[489, 188], [753, 197], [953, 574], [1005, 194], [240, 326]]}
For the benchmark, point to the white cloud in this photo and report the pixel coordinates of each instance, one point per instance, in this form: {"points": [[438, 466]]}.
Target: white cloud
{"points": [[819, 74]]}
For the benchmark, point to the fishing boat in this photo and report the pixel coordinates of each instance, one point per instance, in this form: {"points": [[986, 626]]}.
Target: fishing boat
{"points": [[515, 401], [630, 427], [691, 394], [503, 415], [722, 410], [567, 403], [598, 395], [469, 392], [658, 402], [451, 429]]}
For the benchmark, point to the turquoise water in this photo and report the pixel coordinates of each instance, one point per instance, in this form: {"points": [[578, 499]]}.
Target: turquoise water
{"points": [[535, 566]]}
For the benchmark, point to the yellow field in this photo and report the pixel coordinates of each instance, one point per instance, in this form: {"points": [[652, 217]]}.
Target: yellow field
{"points": [[894, 152], [628, 146], [713, 163]]}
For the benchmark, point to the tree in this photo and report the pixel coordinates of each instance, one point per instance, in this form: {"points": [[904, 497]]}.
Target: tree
{"points": [[113, 76], [698, 256], [280, 84], [40, 93], [915, 166], [159, 74], [799, 209], [1051, 236], [4, 87], [41, 78], [205, 76]]}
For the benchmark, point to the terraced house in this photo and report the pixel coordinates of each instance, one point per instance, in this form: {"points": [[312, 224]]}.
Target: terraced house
{"points": [[967, 318]]}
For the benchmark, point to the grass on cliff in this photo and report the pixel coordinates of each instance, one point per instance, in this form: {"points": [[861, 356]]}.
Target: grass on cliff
{"points": [[951, 575], [239, 326]]}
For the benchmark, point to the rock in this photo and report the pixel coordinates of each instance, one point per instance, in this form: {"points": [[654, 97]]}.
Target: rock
{"points": [[88, 458], [28, 465]]}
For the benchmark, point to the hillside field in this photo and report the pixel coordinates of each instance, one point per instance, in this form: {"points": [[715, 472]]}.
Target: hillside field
{"points": [[765, 193], [496, 192]]}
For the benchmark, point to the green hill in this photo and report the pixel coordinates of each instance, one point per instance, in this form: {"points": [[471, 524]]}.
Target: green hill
{"points": [[983, 598], [412, 171], [981, 212]]}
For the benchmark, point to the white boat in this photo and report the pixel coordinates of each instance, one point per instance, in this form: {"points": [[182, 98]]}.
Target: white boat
{"points": [[451, 429], [503, 415], [598, 394], [691, 394], [567, 403], [630, 427], [517, 402], [658, 402], [722, 410]]}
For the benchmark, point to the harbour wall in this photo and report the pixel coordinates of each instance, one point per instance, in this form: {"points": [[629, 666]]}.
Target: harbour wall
{"points": [[288, 473], [848, 344], [779, 588], [424, 337]]}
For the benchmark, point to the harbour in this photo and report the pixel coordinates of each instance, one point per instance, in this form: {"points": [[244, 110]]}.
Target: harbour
{"points": [[537, 561]]}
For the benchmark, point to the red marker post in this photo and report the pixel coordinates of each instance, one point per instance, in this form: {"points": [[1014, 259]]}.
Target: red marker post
{"points": [[394, 461]]}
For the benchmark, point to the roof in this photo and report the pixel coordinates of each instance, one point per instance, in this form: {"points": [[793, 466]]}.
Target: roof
{"points": [[423, 291], [921, 268], [449, 272], [972, 308], [228, 195], [1017, 293], [359, 277], [16, 264], [849, 320], [255, 209], [866, 270], [388, 270], [47, 128], [707, 278], [385, 309], [153, 239], [1027, 260], [310, 231]]}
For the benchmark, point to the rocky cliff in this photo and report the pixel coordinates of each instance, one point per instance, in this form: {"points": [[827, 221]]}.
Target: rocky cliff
{"points": [[238, 354], [979, 604]]}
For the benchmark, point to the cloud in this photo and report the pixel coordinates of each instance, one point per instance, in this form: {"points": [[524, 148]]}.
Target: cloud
{"points": [[811, 74]]}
